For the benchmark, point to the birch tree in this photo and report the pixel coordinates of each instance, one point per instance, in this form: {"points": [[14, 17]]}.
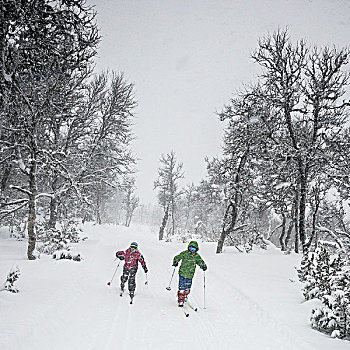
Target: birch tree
{"points": [[305, 86], [169, 174]]}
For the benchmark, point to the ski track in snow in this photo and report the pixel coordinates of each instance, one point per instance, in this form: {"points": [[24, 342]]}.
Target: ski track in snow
{"points": [[256, 317], [72, 308]]}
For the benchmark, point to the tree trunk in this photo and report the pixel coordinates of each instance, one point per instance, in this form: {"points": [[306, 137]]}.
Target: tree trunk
{"points": [[233, 209], [32, 211], [127, 218], [98, 210], [187, 217], [53, 205], [5, 177], [314, 221], [289, 234], [164, 222], [98, 216], [302, 211], [296, 227], [129, 221], [53, 213], [283, 248], [173, 217]]}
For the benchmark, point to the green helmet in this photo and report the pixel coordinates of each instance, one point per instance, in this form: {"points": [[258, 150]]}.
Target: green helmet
{"points": [[193, 244]]}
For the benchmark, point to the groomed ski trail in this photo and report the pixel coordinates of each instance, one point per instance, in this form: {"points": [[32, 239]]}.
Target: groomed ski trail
{"points": [[77, 310], [155, 311]]}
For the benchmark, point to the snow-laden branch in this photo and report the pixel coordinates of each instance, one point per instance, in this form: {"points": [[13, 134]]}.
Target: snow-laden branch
{"points": [[343, 233], [15, 202], [4, 213], [331, 233], [240, 227], [20, 189], [274, 230], [48, 195]]}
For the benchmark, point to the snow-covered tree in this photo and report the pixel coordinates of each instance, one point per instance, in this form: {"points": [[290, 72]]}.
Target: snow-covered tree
{"points": [[305, 88], [245, 138], [46, 49], [169, 173], [284, 131], [130, 200], [102, 156]]}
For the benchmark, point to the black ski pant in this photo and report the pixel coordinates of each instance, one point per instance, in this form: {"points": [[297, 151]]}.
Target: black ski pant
{"points": [[131, 275]]}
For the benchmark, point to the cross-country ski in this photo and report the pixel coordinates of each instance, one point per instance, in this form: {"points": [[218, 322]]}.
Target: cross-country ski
{"points": [[186, 313], [191, 306]]}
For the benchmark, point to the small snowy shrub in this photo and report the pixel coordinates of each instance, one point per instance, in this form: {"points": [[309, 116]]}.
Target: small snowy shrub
{"points": [[53, 239], [333, 317], [65, 254], [324, 320], [50, 240], [317, 271], [245, 239], [12, 277], [248, 247], [71, 231], [18, 232]]}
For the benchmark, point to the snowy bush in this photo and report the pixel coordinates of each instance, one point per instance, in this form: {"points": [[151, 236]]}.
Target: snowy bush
{"points": [[327, 279], [245, 238], [306, 266], [252, 238], [333, 317], [324, 320], [248, 247], [316, 271], [12, 277], [65, 254], [18, 232], [53, 239]]}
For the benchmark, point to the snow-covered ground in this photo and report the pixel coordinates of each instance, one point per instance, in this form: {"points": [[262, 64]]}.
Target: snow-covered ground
{"points": [[253, 301]]}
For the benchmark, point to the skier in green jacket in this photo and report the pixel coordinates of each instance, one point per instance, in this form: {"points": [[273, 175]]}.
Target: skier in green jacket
{"points": [[190, 258]]}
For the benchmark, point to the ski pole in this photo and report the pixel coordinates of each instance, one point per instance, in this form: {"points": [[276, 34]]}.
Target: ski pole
{"points": [[204, 291], [109, 283], [169, 288], [146, 280]]}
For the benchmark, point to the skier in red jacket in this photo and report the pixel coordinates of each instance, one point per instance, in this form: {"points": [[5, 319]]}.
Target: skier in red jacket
{"points": [[132, 257]]}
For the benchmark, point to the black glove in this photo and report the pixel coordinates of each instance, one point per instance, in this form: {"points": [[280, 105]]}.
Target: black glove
{"points": [[175, 263], [204, 267], [145, 268], [121, 257]]}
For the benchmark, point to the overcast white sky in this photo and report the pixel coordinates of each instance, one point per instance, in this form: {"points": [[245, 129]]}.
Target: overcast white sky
{"points": [[188, 57]]}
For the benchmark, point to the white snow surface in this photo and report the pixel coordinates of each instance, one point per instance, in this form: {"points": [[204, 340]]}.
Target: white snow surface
{"points": [[253, 301]]}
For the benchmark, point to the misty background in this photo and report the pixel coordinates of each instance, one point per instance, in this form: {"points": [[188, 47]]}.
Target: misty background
{"points": [[187, 58]]}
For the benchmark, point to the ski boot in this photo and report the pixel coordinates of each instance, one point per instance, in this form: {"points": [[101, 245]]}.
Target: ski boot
{"points": [[131, 293], [121, 289]]}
